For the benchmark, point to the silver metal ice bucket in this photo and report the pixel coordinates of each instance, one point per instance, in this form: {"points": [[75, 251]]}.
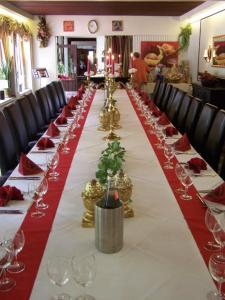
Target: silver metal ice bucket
{"points": [[108, 229]]}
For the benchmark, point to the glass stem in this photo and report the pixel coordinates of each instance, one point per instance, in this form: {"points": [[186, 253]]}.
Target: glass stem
{"points": [[220, 288], [185, 190]]}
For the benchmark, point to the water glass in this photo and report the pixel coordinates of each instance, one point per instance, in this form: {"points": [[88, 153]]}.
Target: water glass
{"points": [[84, 272], [186, 181], [169, 154], [217, 271], [53, 162], [6, 257], [178, 171], [210, 222], [65, 149]]}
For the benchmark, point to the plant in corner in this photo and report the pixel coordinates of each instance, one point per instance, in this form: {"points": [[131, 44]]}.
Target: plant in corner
{"points": [[112, 159], [184, 37]]}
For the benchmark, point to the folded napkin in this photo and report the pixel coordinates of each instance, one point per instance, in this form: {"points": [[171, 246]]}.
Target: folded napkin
{"points": [[27, 166], [170, 131], [79, 94], [45, 143], [197, 164], [156, 112], [61, 120], [52, 130], [182, 144], [217, 195], [163, 120], [8, 192], [66, 112], [82, 88], [151, 105]]}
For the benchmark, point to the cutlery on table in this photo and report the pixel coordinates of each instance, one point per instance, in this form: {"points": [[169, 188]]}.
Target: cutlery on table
{"points": [[11, 211], [24, 178], [41, 151]]}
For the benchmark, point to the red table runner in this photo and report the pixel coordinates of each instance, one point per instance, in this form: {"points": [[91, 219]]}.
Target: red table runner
{"points": [[193, 211], [37, 230]]}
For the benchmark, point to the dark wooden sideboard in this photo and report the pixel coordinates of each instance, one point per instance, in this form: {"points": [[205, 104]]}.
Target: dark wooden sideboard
{"points": [[214, 95]]}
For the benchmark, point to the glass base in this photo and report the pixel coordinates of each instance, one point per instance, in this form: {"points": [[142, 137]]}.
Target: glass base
{"points": [[65, 150], [186, 197], [54, 174], [180, 191], [212, 246], [7, 284], [16, 267], [168, 166], [63, 296], [214, 295], [42, 205], [85, 297], [37, 214]]}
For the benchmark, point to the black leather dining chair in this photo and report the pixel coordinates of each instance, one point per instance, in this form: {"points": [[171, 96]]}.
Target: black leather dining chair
{"points": [[192, 116], [173, 109], [42, 125], [203, 125], [156, 89], [162, 105], [51, 102], [160, 94], [62, 92], [30, 122], [59, 93], [183, 111], [43, 101], [215, 141], [54, 97], [9, 156], [170, 99]]}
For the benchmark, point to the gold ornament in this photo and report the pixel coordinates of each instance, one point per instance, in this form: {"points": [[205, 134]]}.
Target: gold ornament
{"points": [[104, 119], [124, 187], [92, 193]]}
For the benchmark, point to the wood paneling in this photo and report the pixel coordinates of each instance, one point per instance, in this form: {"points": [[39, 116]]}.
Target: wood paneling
{"points": [[107, 8]]}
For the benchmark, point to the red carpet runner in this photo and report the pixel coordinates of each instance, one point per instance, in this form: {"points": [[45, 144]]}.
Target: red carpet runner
{"points": [[193, 211], [37, 230]]}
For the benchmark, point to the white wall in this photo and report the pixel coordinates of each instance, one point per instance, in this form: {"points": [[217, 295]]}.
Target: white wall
{"points": [[150, 28]]}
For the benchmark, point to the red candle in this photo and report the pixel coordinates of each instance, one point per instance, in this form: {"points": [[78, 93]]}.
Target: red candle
{"points": [[88, 66], [119, 59], [110, 56], [113, 65], [107, 60], [131, 60]]}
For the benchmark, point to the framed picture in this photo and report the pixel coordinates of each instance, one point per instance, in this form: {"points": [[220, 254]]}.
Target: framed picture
{"points": [[218, 59], [117, 25], [155, 53], [40, 73], [68, 26]]}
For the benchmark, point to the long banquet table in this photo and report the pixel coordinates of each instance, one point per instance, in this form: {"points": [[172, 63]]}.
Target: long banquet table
{"points": [[160, 258]]}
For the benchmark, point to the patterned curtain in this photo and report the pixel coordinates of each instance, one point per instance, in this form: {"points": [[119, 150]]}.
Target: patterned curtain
{"points": [[122, 45]]}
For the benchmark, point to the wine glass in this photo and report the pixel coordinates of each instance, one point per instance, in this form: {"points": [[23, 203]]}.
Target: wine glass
{"points": [[58, 273], [17, 241], [217, 271], [6, 257], [84, 272], [186, 181], [169, 154], [66, 138], [39, 193], [178, 171], [53, 162], [210, 222]]}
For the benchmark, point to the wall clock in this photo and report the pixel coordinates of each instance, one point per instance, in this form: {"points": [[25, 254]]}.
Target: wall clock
{"points": [[92, 26]]}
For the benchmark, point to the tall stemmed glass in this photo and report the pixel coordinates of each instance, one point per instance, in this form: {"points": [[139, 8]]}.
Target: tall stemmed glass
{"points": [[186, 181], [65, 149], [178, 171], [53, 162], [169, 154], [84, 272], [41, 190], [217, 271], [6, 257], [210, 222], [17, 241], [58, 273]]}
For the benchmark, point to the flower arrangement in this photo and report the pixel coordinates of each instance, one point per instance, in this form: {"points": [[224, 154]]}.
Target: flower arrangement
{"points": [[184, 37], [43, 34], [208, 79], [9, 25]]}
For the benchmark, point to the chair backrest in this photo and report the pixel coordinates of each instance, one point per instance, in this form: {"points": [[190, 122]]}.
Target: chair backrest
{"points": [[174, 107], [16, 123], [156, 89], [53, 96], [52, 107], [160, 93], [59, 93], [162, 105], [30, 122], [44, 105], [9, 156], [182, 114], [203, 126], [215, 140], [171, 97], [36, 111], [62, 92], [192, 116]]}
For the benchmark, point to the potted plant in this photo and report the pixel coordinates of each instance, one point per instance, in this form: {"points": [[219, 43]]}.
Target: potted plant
{"points": [[5, 76]]}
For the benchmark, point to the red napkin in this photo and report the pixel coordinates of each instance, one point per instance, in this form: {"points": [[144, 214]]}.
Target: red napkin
{"points": [[197, 164], [217, 195], [170, 131], [151, 105], [182, 144], [66, 112], [45, 143], [8, 192], [27, 166], [156, 112], [72, 102], [52, 130], [163, 120], [61, 120]]}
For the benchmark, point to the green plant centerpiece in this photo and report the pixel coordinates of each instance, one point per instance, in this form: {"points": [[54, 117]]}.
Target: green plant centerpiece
{"points": [[184, 37], [112, 159], [5, 75]]}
